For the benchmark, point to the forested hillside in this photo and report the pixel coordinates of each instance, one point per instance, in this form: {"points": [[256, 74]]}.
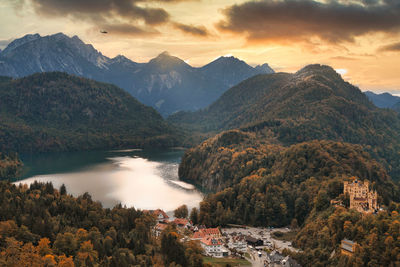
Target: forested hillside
{"points": [[314, 103], [10, 165], [266, 184], [56, 111], [48, 227], [270, 185], [297, 138], [376, 238]]}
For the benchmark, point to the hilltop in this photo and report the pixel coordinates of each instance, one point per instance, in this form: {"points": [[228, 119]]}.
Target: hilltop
{"points": [[56, 111], [313, 103]]}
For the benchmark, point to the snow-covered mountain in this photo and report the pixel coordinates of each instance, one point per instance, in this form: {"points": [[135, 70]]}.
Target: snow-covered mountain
{"points": [[165, 82]]}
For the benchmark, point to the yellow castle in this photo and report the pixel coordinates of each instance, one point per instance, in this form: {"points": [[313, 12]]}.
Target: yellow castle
{"points": [[361, 198]]}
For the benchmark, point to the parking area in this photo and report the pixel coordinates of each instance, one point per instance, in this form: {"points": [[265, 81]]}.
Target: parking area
{"points": [[262, 234]]}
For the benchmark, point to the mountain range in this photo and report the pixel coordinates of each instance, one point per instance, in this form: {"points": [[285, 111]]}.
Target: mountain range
{"points": [[55, 111], [166, 82]]}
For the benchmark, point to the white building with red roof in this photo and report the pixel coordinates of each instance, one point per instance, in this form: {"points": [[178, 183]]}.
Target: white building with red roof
{"points": [[181, 223], [212, 246], [208, 232], [160, 215]]}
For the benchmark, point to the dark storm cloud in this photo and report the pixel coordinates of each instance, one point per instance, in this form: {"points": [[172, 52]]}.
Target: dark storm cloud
{"points": [[190, 29], [123, 17], [391, 47], [104, 9], [293, 20]]}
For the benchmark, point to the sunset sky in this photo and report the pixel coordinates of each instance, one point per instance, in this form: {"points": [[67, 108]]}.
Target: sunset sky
{"points": [[360, 38]]}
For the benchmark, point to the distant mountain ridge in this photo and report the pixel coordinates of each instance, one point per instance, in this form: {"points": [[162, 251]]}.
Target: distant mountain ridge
{"points": [[383, 100], [166, 82]]}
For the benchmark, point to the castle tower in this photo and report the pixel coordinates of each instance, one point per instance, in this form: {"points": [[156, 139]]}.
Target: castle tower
{"points": [[361, 198]]}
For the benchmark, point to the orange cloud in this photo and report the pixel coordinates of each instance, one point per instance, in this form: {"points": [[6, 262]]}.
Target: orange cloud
{"points": [[190, 29], [395, 47]]}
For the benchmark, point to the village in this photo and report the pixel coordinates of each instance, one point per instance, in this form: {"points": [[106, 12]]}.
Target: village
{"points": [[245, 246]]}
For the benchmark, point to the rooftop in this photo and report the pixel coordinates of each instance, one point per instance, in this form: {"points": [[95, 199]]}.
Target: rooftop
{"points": [[181, 221], [210, 241]]}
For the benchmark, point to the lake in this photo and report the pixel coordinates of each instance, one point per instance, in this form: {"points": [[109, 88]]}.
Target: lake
{"points": [[136, 178]]}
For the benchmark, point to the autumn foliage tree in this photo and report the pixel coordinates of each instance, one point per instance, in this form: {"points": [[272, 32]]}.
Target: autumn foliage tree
{"points": [[181, 212], [47, 228]]}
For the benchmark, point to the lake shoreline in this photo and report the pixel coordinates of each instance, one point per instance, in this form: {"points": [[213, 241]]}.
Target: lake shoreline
{"points": [[144, 179]]}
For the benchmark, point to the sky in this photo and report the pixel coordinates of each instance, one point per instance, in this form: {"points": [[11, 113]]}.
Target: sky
{"points": [[359, 38]]}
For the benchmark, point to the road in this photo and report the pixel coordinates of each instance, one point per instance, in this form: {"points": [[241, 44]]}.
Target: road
{"points": [[255, 260]]}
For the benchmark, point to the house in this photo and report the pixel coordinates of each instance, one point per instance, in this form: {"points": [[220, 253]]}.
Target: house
{"points": [[160, 215], [212, 246], [211, 232], [238, 243], [159, 228], [182, 223], [197, 227], [274, 258], [362, 198], [347, 247], [251, 241]]}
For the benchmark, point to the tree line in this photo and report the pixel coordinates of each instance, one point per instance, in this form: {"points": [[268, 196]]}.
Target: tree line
{"points": [[44, 226]]}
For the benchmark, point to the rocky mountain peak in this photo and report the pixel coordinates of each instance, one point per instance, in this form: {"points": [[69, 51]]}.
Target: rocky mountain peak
{"points": [[21, 41], [227, 60], [165, 61], [264, 68]]}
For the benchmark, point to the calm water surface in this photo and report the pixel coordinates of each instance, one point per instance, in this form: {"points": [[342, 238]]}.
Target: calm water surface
{"points": [[136, 178]]}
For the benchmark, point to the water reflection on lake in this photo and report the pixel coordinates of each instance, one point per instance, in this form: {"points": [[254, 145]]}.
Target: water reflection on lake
{"points": [[142, 179]]}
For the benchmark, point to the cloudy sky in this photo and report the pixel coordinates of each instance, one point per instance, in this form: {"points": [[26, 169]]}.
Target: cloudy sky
{"points": [[360, 38]]}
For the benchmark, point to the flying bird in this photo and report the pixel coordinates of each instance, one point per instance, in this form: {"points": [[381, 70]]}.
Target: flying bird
{"points": [[103, 31]]}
